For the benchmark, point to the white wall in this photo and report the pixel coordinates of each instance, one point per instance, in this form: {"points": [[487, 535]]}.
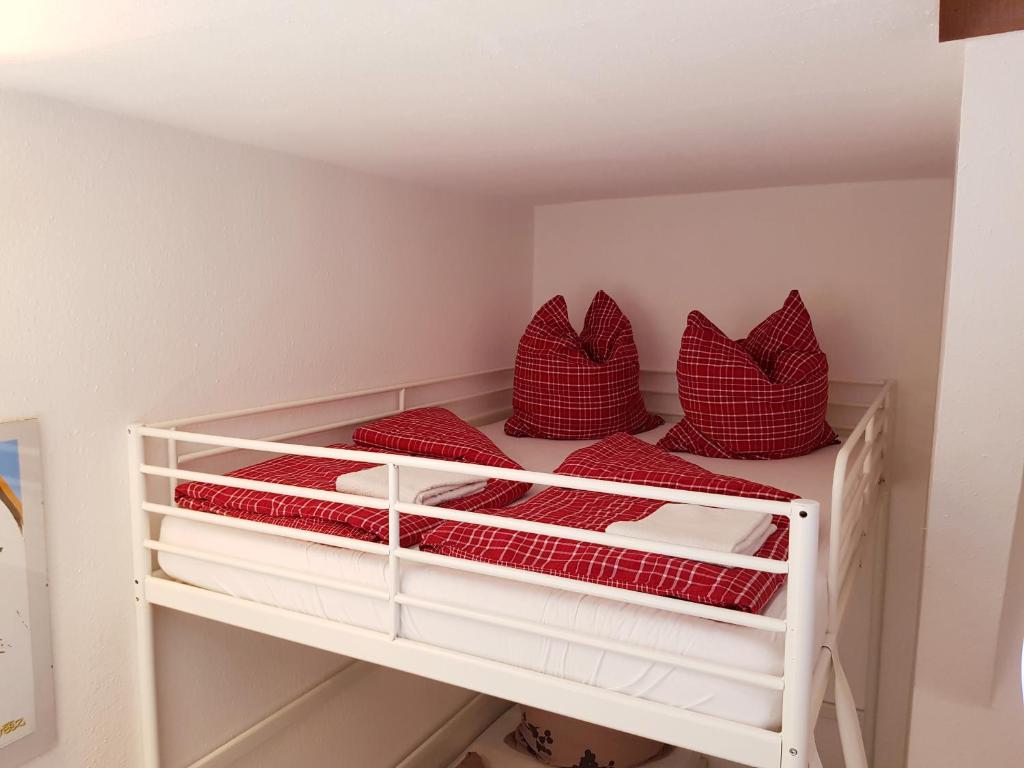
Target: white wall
{"points": [[967, 700], [283, 274], [870, 261], [148, 273]]}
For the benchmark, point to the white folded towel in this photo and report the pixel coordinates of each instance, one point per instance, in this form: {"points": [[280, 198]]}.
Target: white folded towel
{"points": [[420, 486], [691, 525]]}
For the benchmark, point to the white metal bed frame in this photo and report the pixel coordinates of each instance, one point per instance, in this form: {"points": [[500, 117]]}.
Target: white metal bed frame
{"points": [[859, 498]]}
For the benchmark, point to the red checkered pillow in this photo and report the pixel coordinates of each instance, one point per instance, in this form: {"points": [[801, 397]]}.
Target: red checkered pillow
{"points": [[571, 386], [763, 397]]}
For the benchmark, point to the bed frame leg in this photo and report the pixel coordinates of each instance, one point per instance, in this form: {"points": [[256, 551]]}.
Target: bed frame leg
{"points": [[143, 567], [801, 649], [854, 755], [147, 687]]}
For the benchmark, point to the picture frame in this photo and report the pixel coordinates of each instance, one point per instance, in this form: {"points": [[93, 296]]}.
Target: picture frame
{"points": [[27, 708]]}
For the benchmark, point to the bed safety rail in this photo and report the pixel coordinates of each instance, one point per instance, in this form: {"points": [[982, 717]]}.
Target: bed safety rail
{"points": [[859, 470]]}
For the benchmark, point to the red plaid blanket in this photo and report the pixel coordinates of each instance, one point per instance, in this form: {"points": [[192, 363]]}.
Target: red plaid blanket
{"points": [[627, 459], [431, 432]]}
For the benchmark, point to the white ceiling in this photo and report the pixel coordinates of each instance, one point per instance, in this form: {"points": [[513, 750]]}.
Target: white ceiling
{"points": [[541, 99]]}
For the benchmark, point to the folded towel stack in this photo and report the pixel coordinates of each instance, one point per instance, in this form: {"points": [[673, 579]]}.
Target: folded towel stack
{"points": [[419, 486], [691, 525]]}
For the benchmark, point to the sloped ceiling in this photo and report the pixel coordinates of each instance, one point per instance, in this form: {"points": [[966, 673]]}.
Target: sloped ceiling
{"points": [[539, 99]]}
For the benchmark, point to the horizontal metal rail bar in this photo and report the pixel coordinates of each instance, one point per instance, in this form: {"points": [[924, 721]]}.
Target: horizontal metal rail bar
{"points": [[759, 679], [477, 470], [269, 570], [767, 681], [258, 485], [855, 480], [832, 403], [238, 413], [338, 397], [271, 529], [848, 554], [611, 593], [848, 480], [860, 506], [873, 457], [874, 407], [196, 455], [596, 537], [508, 523], [852, 519], [848, 581], [684, 607], [847, 404], [848, 382]]}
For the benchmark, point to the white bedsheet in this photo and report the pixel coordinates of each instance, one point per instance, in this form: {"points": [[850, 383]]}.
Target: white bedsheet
{"points": [[810, 476]]}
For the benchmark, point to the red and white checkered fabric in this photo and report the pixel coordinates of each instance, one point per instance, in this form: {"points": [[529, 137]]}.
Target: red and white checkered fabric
{"points": [[571, 386], [416, 429], [434, 432], [627, 459], [763, 397]]}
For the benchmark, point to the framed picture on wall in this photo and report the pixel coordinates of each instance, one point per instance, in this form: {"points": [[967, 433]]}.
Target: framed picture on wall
{"points": [[27, 723]]}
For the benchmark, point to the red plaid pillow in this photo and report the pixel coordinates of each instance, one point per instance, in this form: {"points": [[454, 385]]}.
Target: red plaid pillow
{"points": [[763, 397], [571, 386]]}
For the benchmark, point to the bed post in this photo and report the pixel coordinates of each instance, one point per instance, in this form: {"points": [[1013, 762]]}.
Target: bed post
{"points": [[142, 562], [394, 542], [797, 728]]}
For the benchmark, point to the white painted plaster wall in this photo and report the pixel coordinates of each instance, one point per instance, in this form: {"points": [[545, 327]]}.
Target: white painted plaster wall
{"points": [[104, 218], [148, 273], [870, 261], [967, 701]]}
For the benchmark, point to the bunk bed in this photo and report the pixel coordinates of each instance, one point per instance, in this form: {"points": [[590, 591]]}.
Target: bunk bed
{"points": [[738, 685]]}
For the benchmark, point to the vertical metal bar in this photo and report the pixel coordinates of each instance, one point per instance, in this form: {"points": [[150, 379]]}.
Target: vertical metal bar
{"points": [[394, 540], [837, 516], [878, 553], [878, 592], [401, 399], [172, 463], [797, 727], [142, 561]]}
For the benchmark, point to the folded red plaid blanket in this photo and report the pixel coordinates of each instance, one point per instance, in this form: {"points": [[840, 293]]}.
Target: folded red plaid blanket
{"points": [[624, 458], [431, 432]]}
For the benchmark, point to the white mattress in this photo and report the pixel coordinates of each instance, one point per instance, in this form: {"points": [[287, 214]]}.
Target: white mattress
{"points": [[809, 476]]}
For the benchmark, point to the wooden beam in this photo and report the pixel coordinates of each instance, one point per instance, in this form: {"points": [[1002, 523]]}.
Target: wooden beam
{"points": [[961, 19]]}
